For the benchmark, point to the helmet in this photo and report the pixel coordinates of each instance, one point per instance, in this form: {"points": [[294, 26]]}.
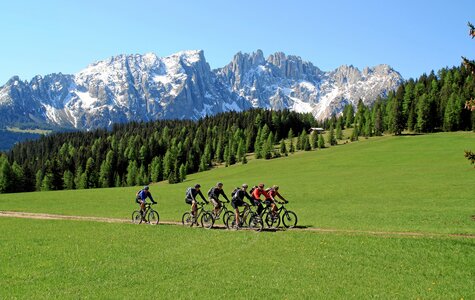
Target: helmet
{"points": [[219, 184], [261, 185], [146, 188], [275, 187], [197, 186], [244, 185]]}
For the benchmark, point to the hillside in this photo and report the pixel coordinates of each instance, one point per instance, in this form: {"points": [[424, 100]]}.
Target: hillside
{"points": [[407, 183]]}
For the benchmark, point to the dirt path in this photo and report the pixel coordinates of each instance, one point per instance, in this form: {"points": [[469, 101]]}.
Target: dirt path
{"points": [[42, 216]]}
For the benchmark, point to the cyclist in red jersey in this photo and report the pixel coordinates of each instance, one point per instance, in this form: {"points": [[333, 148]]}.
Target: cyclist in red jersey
{"points": [[274, 192], [256, 194]]}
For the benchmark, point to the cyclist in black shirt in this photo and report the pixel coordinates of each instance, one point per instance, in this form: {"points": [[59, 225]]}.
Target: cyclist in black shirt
{"points": [[191, 194], [214, 194], [238, 200]]}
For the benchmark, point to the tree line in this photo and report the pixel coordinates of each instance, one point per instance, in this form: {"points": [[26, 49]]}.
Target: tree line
{"points": [[138, 153]]}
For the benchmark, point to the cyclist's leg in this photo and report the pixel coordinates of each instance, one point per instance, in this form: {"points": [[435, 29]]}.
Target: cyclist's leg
{"points": [[216, 205], [235, 205], [194, 208]]}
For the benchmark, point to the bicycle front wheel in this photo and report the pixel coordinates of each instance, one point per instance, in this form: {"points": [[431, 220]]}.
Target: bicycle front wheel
{"points": [[136, 217], [226, 217], [153, 217], [207, 220], [231, 222], [289, 219]]}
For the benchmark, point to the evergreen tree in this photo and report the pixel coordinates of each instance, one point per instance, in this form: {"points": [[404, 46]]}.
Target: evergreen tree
{"points": [[452, 113], [156, 169], [378, 119], [241, 151], [355, 134], [47, 183], [39, 179], [291, 146], [132, 173], [423, 114], [268, 147], [258, 145], [368, 127], [321, 141], [331, 139], [91, 173], [306, 143], [227, 156], [350, 115], [396, 121], [283, 148], [6, 175], [18, 184], [68, 179], [314, 140], [339, 129], [182, 172]]}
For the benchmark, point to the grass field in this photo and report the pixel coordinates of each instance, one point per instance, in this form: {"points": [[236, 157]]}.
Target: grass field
{"points": [[419, 184], [71, 259]]}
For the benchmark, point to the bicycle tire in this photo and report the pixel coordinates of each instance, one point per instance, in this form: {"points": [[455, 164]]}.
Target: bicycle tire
{"points": [[270, 221], [226, 216], [289, 219], [187, 219], [153, 217], [255, 223], [136, 217], [231, 222], [207, 220]]}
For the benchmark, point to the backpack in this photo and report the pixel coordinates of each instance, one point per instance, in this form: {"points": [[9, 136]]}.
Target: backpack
{"points": [[188, 191], [234, 192], [252, 190], [210, 192]]}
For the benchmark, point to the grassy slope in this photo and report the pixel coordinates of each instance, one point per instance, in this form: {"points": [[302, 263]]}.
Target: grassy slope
{"points": [[408, 183], [420, 183], [70, 259]]}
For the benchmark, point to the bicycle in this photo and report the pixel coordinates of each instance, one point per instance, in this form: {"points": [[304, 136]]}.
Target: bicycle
{"points": [[248, 218], [289, 218], [226, 213], [205, 217], [150, 216]]}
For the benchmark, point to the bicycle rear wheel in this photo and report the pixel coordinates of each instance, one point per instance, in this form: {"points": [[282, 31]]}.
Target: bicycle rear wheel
{"points": [[136, 217], [187, 219], [153, 217], [207, 220], [255, 222], [289, 219], [272, 222]]}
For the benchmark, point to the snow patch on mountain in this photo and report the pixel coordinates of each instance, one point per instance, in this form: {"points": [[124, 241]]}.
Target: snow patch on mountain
{"points": [[147, 87]]}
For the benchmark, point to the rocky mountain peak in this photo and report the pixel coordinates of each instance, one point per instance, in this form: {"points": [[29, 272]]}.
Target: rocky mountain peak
{"points": [[144, 87]]}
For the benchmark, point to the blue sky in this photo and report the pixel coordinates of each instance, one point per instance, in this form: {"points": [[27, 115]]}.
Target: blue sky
{"points": [[414, 37]]}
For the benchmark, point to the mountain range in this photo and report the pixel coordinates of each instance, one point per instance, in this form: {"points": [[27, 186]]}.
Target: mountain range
{"points": [[183, 86]]}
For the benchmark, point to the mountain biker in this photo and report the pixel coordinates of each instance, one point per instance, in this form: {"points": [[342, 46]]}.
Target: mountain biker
{"points": [[274, 192], [140, 198], [238, 200], [213, 195], [190, 198], [256, 194]]}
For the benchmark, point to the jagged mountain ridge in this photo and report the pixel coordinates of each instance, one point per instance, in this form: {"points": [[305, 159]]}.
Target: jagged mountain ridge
{"points": [[183, 86]]}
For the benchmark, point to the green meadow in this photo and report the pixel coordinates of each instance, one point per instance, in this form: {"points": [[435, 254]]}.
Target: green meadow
{"points": [[415, 184]]}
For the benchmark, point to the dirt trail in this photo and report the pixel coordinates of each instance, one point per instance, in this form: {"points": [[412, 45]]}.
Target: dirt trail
{"points": [[43, 216]]}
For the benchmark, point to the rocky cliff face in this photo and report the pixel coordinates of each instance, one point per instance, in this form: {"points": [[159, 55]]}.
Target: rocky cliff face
{"points": [[182, 86]]}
